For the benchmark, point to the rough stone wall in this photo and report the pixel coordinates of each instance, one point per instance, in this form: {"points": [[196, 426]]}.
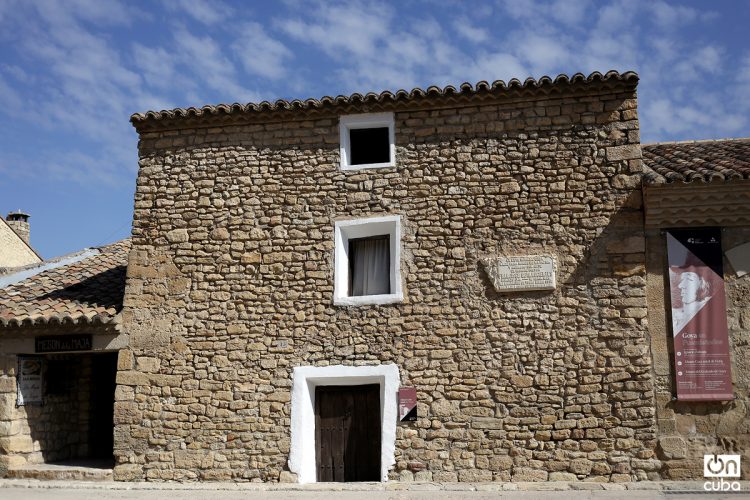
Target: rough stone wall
{"points": [[230, 286], [56, 430], [688, 430], [13, 251]]}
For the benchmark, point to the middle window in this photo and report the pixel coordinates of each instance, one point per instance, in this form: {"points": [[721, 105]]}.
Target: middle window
{"points": [[367, 267]]}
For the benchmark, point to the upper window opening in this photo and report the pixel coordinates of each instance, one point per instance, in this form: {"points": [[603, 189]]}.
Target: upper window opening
{"points": [[367, 141], [369, 145]]}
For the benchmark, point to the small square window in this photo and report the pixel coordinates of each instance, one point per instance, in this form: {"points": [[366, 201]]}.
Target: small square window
{"points": [[367, 261], [367, 141], [369, 145]]}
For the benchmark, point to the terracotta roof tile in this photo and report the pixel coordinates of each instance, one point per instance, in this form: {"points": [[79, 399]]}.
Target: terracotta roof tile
{"points": [[544, 84], [705, 161], [88, 290]]}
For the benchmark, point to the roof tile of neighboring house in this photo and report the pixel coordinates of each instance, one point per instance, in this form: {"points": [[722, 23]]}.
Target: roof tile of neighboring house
{"points": [[544, 84], [85, 291], [705, 161]]}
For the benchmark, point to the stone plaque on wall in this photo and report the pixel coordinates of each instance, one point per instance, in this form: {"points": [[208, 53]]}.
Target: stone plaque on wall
{"points": [[520, 273]]}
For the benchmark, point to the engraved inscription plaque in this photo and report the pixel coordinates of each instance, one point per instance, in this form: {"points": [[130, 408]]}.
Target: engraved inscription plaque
{"points": [[520, 273]]}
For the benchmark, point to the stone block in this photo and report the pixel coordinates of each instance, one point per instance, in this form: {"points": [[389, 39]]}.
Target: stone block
{"points": [[7, 384], [128, 472], [580, 466], [562, 476], [177, 236], [527, 474], [500, 463], [474, 476], [672, 447], [17, 444], [444, 408], [521, 380], [132, 377], [626, 152], [147, 364], [127, 412]]}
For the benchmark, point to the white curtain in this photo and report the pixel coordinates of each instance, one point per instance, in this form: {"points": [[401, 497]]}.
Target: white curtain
{"points": [[370, 266]]}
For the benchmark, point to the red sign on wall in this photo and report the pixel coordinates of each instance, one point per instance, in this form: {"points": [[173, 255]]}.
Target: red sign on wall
{"points": [[407, 404], [699, 315]]}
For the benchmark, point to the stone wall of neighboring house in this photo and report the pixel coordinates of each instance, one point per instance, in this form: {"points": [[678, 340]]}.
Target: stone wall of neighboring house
{"points": [[230, 286], [14, 252], [688, 430]]}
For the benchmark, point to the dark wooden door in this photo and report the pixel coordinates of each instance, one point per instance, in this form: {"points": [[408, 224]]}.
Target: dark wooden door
{"points": [[347, 432]]}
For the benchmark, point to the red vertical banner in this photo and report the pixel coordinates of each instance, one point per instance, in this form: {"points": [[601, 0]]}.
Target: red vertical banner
{"points": [[699, 315]]}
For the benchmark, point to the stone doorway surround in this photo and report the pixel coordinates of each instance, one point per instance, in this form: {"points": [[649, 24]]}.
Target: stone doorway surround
{"points": [[304, 381]]}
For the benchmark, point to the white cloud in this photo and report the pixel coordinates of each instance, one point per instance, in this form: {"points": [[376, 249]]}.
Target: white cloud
{"points": [[343, 29], [617, 17], [560, 11], [668, 16], [261, 54], [544, 53], [156, 65], [470, 32], [495, 66], [705, 113], [208, 63], [10, 100], [569, 13], [206, 12]]}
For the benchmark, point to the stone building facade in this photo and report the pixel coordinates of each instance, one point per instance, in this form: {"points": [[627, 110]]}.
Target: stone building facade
{"points": [[236, 316]]}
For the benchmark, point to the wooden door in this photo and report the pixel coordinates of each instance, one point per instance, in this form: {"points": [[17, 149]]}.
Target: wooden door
{"points": [[347, 432]]}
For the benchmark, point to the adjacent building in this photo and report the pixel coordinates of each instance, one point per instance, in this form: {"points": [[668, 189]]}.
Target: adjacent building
{"points": [[701, 188], [15, 249], [59, 341]]}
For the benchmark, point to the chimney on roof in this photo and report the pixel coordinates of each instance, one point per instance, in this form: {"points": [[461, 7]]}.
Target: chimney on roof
{"points": [[19, 222]]}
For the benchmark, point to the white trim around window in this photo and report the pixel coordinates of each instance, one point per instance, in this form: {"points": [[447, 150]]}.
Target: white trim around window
{"points": [[365, 228], [368, 120]]}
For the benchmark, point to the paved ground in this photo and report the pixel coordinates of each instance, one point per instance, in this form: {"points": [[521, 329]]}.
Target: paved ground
{"points": [[105, 490], [23, 494]]}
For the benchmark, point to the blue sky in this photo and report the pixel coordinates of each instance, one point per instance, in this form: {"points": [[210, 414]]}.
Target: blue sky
{"points": [[73, 71]]}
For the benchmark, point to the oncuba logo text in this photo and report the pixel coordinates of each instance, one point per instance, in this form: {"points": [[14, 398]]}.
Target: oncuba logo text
{"points": [[718, 468]]}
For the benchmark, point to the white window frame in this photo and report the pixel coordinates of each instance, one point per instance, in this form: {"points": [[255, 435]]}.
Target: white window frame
{"points": [[304, 381], [369, 120], [365, 228]]}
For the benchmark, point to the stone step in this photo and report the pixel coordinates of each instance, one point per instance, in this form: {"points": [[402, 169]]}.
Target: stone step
{"points": [[78, 471]]}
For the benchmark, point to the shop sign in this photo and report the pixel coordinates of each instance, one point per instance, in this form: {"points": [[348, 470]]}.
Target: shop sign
{"points": [[29, 380], [62, 343]]}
